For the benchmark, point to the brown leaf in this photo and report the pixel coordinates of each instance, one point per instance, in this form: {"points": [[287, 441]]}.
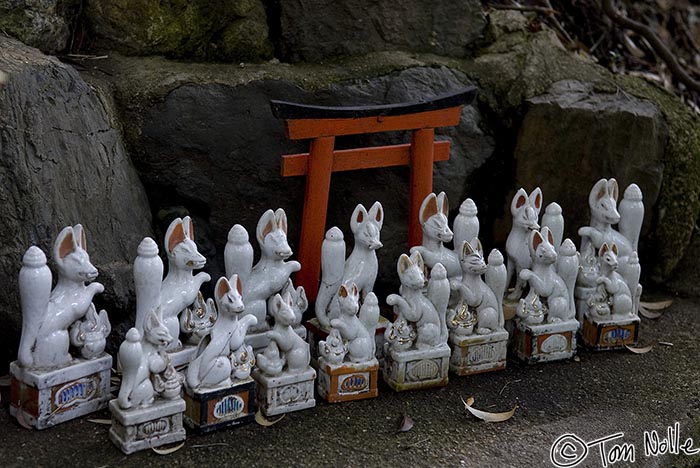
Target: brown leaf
{"points": [[263, 421], [643, 350], [660, 305], [106, 422], [22, 420], [406, 424], [485, 415], [169, 450]]}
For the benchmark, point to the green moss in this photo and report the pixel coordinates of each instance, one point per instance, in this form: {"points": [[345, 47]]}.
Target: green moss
{"points": [[679, 201]]}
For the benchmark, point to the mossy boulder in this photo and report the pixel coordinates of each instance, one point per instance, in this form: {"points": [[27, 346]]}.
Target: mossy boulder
{"points": [[218, 30], [45, 25]]}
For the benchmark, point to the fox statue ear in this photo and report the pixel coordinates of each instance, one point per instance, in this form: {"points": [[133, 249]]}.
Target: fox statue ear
{"points": [[281, 220], [603, 248], [65, 243], [343, 291], [519, 200], [79, 236], [443, 203], [354, 289], [477, 245], [359, 216], [547, 234], [428, 208], [377, 213], [189, 227], [266, 225], [417, 259], [467, 249], [599, 190], [174, 235], [614, 248], [536, 199], [223, 286], [536, 239], [403, 264], [613, 189]]}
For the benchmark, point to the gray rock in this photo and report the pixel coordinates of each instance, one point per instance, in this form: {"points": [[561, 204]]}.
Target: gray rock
{"points": [[44, 24], [63, 162], [316, 30], [233, 30], [572, 136], [215, 149]]}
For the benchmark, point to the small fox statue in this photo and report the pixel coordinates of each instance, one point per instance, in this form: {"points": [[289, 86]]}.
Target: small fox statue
{"points": [[48, 314], [212, 366], [615, 285], [361, 266], [180, 287], [426, 313], [142, 358], [544, 280], [287, 351], [436, 232], [271, 274], [476, 293], [358, 334]]}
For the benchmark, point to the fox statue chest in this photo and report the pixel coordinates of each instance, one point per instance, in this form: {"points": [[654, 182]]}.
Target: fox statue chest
{"points": [[267, 277]]}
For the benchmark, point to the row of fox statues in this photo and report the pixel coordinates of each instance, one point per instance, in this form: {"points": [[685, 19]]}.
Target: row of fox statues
{"points": [[212, 363]]}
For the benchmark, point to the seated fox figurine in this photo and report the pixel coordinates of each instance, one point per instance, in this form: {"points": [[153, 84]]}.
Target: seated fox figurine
{"points": [[48, 315], [212, 366], [271, 274], [361, 266]]}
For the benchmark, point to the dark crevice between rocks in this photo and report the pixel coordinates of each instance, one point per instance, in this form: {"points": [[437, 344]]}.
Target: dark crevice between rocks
{"points": [[274, 25]]}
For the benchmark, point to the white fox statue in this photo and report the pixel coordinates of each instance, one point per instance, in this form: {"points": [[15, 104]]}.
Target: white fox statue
{"points": [[271, 274], [212, 367], [180, 287], [427, 313], [47, 315], [361, 266], [629, 216]]}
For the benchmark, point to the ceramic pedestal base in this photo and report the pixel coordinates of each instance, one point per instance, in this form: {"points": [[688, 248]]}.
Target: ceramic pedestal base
{"points": [[260, 340], [545, 342], [417, 368], [219, 408], [610, 333], [285, 393], [50, 397], [473, 354], [318, 333], [347, 381], [144, 428]]}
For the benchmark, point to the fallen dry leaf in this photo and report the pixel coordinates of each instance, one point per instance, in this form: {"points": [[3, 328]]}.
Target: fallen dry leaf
{"points": [[169, 450], [643, 350], [406, 424], [651, 310], [106, 422], [665, 343], [263, 421], [485, 415], [22, 420]]}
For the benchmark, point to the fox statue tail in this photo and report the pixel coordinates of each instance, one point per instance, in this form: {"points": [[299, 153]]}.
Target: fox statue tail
{"points": [[369, 316], [496, 277], [439, 295], [332, 267], [238, 254], [35, 292], [130, 360]]}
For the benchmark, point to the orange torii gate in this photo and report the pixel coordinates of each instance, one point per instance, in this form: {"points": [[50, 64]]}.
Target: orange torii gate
{"points": [[323, 124]]}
